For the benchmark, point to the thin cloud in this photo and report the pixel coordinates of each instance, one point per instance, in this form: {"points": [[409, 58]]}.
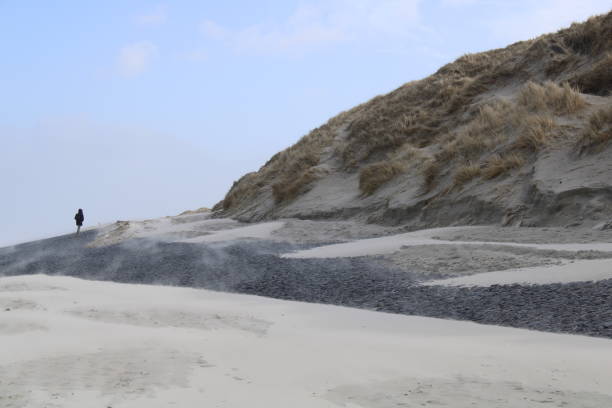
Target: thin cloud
{"points": [[321, 24], [135, 58], [155, 17]]}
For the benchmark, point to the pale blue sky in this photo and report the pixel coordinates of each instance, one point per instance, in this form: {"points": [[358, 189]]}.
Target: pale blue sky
{"points": [[136, 109]]}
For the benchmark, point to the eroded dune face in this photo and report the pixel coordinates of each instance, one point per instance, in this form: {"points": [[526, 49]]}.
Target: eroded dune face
{"points": [[81, 343]]}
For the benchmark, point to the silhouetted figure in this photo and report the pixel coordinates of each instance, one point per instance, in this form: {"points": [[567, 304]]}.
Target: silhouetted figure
{"points": [[79, 218]]}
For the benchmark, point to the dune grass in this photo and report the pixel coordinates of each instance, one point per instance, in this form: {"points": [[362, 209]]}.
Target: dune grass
{"points": [[375, 175], [590, 37], [456, 119], [288, 189], [288, 172], [466, 173], [598, 132], [499, 164], [559, 99], [535, 132]]}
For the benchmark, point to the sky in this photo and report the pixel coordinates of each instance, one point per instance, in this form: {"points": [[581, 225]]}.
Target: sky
{"points": [[138, 109]]}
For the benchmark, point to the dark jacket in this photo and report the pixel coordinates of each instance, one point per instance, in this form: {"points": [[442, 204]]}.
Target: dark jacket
{"points": [[79, 218]]}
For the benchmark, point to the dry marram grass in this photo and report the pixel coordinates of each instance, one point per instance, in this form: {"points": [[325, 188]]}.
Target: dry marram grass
{"points": [[590, 37], [288, 189], [375, 175], [598, 133], [501, 164], [551, 97], [536, 132], [450, 115], [480, 134], [242, 188], [466, 173], [406, 158], [288, 172]]}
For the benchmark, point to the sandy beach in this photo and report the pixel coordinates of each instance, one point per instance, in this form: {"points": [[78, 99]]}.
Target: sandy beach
{"points": [[111, 341], [73, 343]]}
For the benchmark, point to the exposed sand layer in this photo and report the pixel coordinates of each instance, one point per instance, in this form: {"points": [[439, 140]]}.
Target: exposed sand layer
{"points": [[100, 344]]}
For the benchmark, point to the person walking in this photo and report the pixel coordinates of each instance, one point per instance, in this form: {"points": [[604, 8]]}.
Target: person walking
{"points": [[79, 218]]}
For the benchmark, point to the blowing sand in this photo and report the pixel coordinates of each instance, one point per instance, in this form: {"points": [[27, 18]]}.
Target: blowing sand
{"points": [[73, 343], [68, 342]]}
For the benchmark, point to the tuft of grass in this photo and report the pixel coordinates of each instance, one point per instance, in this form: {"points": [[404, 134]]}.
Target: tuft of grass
{"points": [[465, 173], [536, 132], [373, 176], [288, 189], [406, 158], [494, 116], [551, 97], [470, 145], [498, 165], [407, 153], [479, 135], [598, 133]]}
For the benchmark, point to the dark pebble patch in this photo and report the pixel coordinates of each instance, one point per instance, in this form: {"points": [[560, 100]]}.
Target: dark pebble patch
{"points": [[253, 267]]}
